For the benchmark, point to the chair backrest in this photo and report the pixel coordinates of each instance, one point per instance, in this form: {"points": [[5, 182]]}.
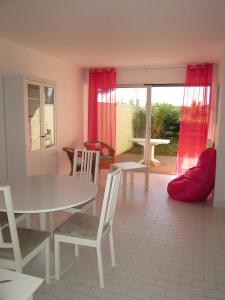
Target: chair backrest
{"points": [[101, 145], [109, 200], [86, 164], [7, 198], [3, 219]]}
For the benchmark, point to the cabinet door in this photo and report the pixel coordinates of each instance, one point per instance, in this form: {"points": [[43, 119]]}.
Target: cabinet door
{"points": [[34, 116], [49, 117], [3, 158], [49, 153], [42, 154]]}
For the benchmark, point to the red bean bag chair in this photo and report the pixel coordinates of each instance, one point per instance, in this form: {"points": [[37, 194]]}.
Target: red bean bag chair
{"points": [[197, 183]]}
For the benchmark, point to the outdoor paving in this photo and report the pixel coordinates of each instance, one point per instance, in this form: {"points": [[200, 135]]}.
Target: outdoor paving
{"points": [[167, 163]]}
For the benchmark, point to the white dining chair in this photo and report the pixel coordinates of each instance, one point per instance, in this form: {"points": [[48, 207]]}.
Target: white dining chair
{"points": [[19, 245], [86, 166], [4, 219], [87, 230]]}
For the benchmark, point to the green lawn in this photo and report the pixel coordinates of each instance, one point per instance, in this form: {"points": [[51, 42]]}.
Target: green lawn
{"points": [[169, 149]]}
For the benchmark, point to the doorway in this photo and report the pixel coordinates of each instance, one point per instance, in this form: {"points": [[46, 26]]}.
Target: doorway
{"points": [[166, 103], [130, 123], [158, 106]]}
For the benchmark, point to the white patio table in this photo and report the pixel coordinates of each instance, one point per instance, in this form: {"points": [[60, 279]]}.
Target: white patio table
{"points": [[42, 194], [153, 143]]}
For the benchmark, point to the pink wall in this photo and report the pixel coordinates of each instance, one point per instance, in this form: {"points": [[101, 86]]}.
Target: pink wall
{"points": [[219, 198], [17, 59]]}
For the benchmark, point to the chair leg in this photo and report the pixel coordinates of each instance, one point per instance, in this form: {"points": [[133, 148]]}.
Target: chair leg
{"points": [[57, 259], [19, 268], [94, 207], [111, 243], [76, 250], [28, 220], [47, 261], [100, 266]]}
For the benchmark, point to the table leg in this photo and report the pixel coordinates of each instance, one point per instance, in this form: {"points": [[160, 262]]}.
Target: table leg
{"points": [[146, 178], [131, 177], [153, 160], [152, 153], [124, 182], [28, 220], [42, 221], [51, 221]]}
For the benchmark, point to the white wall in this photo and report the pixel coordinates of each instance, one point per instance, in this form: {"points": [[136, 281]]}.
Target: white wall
{"points": [[151, 75], [219, 199], [17, 59], [124, 128]]}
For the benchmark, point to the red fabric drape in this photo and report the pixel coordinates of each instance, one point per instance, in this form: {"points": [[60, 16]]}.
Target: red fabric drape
{"points": [[102, 106], [194, 118]]}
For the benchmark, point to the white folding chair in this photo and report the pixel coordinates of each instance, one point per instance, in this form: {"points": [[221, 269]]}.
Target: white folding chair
{"points": [[19, 245], [87, 230], [86, 165]]}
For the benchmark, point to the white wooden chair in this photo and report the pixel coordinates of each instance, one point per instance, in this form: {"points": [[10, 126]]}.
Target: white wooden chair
{"points": [[88, 230], [4, 219], [86, 165], [19, 245]]}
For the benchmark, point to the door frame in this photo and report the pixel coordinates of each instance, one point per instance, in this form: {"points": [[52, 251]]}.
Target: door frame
{"points": [[148, 86], [36, 159]]}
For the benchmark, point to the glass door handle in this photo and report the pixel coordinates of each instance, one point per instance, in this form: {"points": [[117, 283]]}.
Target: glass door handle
{"points": [[43, 136]]}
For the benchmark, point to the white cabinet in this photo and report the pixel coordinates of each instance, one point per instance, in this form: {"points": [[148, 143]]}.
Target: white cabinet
{"points": [[30, 125], [3, 162]]}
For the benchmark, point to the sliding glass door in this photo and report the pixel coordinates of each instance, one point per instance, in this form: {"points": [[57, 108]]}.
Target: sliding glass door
{"points": [[164, 103], [131, 123], [148, 125]]}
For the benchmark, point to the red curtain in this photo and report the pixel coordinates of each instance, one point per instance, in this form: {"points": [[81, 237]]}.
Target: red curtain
{"points": [[102, 106], [194, 118]]}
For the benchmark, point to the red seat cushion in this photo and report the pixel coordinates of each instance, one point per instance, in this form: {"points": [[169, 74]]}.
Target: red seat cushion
{"points": [[196, 183]]}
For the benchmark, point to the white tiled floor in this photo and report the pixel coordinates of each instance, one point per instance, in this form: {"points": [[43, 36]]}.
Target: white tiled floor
{"points": [[164, 250]]}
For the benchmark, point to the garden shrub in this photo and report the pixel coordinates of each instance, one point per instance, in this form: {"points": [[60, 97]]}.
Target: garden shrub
{"points": [[164, 121], [139, 123]]}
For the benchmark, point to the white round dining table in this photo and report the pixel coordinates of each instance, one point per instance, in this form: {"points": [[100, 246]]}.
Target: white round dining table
{"points": [[43, 193]]}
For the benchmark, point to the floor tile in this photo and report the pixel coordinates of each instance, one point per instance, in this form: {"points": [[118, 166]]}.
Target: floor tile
{"points": [[164, 250]]}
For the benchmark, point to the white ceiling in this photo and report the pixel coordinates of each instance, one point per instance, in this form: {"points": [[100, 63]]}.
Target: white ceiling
{"points": [[118, 32]]}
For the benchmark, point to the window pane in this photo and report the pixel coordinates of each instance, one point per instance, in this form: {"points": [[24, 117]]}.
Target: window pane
{"points": [[49, 117], [34, 116]]}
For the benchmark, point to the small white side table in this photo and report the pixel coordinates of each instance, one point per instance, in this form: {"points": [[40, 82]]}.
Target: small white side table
{"points": [[131, 167], [17, 286]]}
